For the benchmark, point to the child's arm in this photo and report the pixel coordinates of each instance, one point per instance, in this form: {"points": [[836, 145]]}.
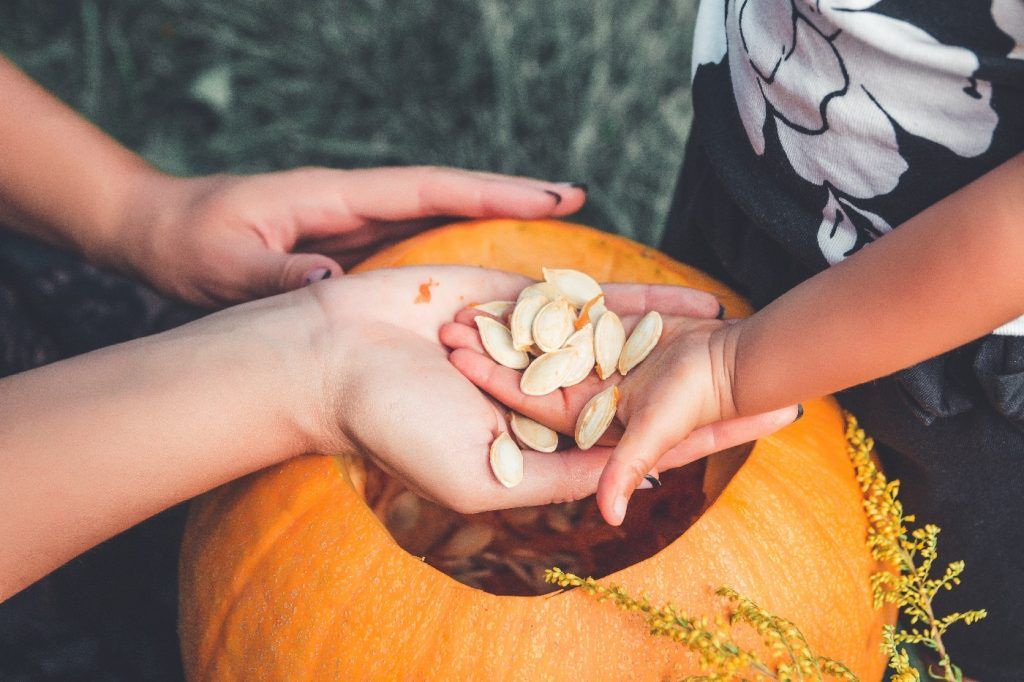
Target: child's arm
{"points": [[949, 275], [222, 239]]}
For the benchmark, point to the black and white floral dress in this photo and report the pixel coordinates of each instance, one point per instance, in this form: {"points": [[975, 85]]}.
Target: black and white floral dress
{"points": [[818, 128]]}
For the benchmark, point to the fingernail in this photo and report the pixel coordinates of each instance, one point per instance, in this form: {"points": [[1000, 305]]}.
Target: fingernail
{"points": [[580, 185], [799, 411], [649, 483], [619, 509], [318, 275], [721, 312], [556, 195]]}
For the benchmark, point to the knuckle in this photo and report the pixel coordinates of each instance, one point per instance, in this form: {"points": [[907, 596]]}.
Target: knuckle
{"points": [[638, 468]]}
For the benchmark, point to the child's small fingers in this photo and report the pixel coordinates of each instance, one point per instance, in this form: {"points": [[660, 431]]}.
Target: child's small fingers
{"points": [[645, 440], [456, 335], [637, 299], [467, 316], [726, 434]]}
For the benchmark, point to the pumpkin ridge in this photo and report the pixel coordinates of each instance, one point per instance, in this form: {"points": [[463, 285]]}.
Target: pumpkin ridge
{"points": [[246, 567]]}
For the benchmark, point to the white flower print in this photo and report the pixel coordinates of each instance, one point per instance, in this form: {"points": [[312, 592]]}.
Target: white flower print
{"points": [[1009, 17], [835, 81]]}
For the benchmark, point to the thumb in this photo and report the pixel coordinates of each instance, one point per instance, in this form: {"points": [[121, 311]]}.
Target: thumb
{"points": [[648, 435], [274, 272]]}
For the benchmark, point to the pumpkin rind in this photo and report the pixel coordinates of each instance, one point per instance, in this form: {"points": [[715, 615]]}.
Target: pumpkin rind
{"points": [[287, 574]]}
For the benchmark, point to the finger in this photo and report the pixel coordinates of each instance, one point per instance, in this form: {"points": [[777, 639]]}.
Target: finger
{"points": [[563, 476], [266, 272], [649, 434], [636, 299], [552, 477], [467, 317], [727, 434], [457, 335], [367, 238], [406, 194]]}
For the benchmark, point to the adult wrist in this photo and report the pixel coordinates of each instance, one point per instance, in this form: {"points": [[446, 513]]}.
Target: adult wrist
{"points": [[137, 205]]}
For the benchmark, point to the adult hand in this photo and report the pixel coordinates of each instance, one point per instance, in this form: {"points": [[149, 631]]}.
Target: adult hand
{"points": [[224, 239], [394, 395]]}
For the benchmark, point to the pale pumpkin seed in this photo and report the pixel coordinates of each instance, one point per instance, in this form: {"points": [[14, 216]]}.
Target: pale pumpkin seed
{"points": [[576, 286], [497, 341], [553, 324], [596, 417], [545, 289], [521, 322], [496, 308], [609, 338], [534, 435], [548, 372], [584, 341], [506, 461], [641, 342]]}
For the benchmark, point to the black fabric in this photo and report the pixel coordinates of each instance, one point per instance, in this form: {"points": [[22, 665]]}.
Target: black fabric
{"points": [[949, 428], [110, 614]]}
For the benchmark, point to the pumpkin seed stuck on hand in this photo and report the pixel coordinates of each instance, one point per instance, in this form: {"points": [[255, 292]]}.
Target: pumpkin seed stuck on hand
{"points": [[533, 434], [641, 342], [506, 461], [596, 417]]}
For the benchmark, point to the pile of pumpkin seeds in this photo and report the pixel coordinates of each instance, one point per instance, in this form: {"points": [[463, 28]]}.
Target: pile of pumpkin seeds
{"points": [[558, 331]]}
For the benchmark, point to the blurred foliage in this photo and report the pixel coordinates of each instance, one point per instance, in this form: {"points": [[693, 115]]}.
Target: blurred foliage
{"points": [[594, 91]]}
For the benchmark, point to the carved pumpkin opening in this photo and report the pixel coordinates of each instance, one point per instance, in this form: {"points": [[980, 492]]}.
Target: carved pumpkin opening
{"points": [[506, 552]]}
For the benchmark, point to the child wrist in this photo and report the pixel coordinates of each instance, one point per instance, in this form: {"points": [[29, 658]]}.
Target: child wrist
{"points": [[724, 343]]}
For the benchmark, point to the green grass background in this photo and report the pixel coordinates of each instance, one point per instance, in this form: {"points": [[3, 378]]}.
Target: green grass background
{"points": [[594, 91]]}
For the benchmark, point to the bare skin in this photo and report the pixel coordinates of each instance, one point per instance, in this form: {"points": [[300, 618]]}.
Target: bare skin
{"points": [[947, 276], [92, 445]]}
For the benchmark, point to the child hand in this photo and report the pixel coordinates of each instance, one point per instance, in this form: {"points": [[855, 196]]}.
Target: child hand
{"points": [[675, 407], [224, 239]]}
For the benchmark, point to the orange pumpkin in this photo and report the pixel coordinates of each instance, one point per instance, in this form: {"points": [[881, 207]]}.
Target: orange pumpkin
{"points": [[287, 574]]}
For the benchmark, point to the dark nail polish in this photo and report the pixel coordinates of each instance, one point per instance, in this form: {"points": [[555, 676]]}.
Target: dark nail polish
{"points": [[799, 411], [318, 275], [653, 480], [556, 195], [721, 312], [580, 185]]}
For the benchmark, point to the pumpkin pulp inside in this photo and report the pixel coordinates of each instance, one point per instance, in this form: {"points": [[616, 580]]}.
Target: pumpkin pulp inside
{"points": [[506, 552]]}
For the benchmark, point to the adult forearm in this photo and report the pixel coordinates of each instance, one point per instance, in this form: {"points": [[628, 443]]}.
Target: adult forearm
{"points": [[61, 178], [949, 275], [92, 445]]}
